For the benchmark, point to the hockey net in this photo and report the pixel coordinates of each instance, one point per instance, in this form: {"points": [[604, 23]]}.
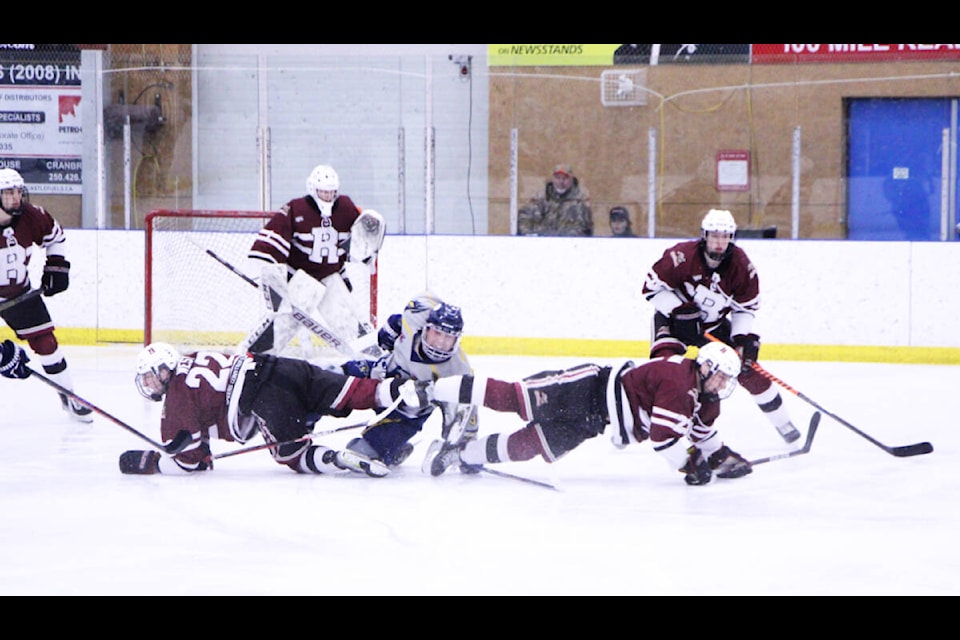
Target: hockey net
{"points": [[200, 287]]}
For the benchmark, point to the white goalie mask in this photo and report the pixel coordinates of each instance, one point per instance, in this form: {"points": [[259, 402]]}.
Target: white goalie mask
{"points": [[156, 365], [323, 185], [719, 376]]}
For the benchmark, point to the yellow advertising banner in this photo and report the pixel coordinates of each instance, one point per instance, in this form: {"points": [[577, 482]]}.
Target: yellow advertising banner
{"points": [[557, 55]]}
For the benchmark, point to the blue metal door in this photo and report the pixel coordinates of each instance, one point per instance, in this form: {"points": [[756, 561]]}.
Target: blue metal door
{"points": [[901, 169]]}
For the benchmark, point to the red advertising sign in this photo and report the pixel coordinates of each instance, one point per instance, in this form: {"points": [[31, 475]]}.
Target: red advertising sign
{"points": [[796, 53]]}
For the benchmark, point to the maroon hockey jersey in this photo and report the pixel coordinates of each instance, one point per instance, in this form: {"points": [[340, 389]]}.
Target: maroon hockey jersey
{"points": [[34, 226], [300, 237], [733, 287]]}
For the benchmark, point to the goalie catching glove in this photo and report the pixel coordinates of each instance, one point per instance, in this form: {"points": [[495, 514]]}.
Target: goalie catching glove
{"points": [[13, 361], [366, 236]]}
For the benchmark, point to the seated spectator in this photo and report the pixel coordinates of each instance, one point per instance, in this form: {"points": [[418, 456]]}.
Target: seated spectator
{"points": [[620, 223], [562, 210]]}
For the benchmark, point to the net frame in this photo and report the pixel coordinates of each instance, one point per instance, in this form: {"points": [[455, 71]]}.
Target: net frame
{"points": [[195, 300]]}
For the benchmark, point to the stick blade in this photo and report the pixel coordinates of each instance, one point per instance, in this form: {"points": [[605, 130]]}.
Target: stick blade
{"points": [[908, 450], [811, 431]]}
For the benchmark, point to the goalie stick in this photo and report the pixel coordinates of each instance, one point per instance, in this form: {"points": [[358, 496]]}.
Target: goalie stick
{"points": [[297, 313], [814, 423], [902, 451], [23, 297], [315, 434]]}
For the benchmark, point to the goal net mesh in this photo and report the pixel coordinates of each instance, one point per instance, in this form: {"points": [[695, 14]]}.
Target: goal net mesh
{"points": [[201, 288]]}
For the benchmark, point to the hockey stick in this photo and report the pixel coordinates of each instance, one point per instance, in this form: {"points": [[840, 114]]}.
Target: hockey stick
{"points": [[315, 434], [297, 313], [23, 297], [903, 451], [86, 403], [814, 422], [504, 474]]}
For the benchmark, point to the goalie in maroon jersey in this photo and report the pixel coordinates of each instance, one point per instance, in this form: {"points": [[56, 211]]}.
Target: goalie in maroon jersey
{"points": [[23, 225], [312, 237], [710, 285], [210, 395], [672, 401]]}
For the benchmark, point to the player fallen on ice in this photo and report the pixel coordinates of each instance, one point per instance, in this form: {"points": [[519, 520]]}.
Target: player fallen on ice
{"points": [[210, 395], [422, 343], [673, 402]]}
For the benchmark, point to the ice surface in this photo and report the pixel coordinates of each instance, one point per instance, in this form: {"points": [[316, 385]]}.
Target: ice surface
{"points": [[845, 519]]}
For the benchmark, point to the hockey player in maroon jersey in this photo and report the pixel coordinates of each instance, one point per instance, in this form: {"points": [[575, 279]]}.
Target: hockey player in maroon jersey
{"points": [[671, 401], [710, 285], [314, 235], [211, 395], [23, 225]]}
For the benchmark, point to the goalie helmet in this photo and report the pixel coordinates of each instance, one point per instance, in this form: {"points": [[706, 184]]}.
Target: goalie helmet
{"points": [[718, 221], [441, 334], [723, 359], [151, 363], [11, 179], [323, 185]]}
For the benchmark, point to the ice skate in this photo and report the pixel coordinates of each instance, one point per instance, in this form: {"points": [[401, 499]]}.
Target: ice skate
{"points": [[77, 411]]}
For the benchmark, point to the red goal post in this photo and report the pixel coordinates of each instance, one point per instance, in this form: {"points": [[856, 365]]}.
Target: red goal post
{"points": [[199, 289]]}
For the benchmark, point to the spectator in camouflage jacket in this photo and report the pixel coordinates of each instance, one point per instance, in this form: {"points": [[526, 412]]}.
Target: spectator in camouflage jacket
{"points": [[563, 210]]}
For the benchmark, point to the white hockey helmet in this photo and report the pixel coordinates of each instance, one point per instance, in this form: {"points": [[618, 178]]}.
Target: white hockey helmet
{"points": [[11, 179], [719, 358], [718, 221], [152, 361], [323, 185]]}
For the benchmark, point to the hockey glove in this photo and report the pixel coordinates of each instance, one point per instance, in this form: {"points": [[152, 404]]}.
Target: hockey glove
{"points": [[727, 463], [13, 361], [697, 470], [358, 368], [56, 276], [416, 394], [389, 332], [749, 347], [179, 442], [685, 324]]}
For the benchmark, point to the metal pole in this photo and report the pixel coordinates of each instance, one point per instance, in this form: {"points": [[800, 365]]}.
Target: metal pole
{"points": [[127, 184], [652, 184], [945, 185], [514, 179], [429, 150], [101, 180], [795, 204], [402, 181]]}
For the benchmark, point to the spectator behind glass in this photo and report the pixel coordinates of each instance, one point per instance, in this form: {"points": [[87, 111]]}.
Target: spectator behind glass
{"points": [[620, 223], [562, 210]]}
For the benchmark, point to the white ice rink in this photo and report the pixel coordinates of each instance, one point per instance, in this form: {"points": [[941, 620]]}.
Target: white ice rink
{"points": [[845, 519]]}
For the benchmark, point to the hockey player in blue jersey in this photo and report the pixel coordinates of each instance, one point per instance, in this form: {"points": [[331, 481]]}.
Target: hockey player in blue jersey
{"points": [[422, 343]]}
